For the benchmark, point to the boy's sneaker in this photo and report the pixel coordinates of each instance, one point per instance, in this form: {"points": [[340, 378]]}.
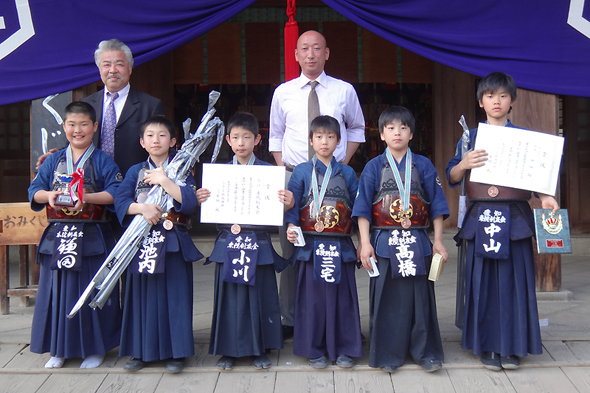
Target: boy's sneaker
{"points": [[320, 362], [389, 369], [225, 363], [491, 361], [510, 362], [261, 362], [344, 361], [174, 366], [133, 365], [431, 365]]}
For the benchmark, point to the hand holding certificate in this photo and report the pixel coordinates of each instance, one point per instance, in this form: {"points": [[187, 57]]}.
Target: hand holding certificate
{"points": [[518, 158], [243, 194]]}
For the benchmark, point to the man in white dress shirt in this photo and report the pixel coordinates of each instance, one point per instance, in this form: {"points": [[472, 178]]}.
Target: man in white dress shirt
{"points": [[289, 132]]}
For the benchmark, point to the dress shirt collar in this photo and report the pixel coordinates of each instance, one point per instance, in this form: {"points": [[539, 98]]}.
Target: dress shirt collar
{"points": [[123, 93], [322, 79]]}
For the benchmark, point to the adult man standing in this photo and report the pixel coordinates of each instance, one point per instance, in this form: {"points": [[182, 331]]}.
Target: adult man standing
{"points": [[294, 105], [120, 109]]}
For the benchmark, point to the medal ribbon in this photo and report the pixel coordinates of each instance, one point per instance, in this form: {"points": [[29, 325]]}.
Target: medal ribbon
{"points": [[77, 183], [318, 199], [81, 161], [250, 162], [404, 189]]}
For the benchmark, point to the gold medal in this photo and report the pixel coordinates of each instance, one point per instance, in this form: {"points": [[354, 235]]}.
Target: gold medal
{"points": [[319, 226], [168, 225], [406, 223], [493, 191], [235, 229]]}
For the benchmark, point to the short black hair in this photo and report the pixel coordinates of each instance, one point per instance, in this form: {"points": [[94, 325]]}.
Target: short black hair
{"points": [[81, 107], [326, 124], [495, 81], [159, 120], [397, 113], [244, 120]]}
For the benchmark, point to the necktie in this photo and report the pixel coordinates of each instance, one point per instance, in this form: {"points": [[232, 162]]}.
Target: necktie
{"points": [[107, 136], [313, 111]]}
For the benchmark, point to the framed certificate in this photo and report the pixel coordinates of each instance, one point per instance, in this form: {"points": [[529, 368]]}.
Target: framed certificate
{"points": [[243, 194]]}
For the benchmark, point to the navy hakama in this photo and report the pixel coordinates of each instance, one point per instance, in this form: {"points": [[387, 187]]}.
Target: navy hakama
{"points": [[158, 309], [500, 301], [327, 318], [89, 332], [246, 318], [403, 317]]}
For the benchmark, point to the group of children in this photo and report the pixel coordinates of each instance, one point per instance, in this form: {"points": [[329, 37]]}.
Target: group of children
{"points": [[399, 195]]}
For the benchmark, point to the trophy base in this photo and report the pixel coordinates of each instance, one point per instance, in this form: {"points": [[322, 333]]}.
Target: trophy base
{"points": [[64, 200]]}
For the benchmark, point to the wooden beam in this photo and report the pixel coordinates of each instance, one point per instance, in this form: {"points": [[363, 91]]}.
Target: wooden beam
{"points": [[540, 112], [453, 95]]}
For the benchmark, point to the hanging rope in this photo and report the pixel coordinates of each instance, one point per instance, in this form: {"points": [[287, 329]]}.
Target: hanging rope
{"points": [[291, 35]]}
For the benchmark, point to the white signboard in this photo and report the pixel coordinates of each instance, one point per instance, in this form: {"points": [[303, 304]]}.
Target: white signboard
{"points": [[517, 158], [243, 194]]}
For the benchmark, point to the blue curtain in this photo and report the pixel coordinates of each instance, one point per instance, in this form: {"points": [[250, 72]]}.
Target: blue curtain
{"points": [[47, 46], [544, 44], [59, 56]]}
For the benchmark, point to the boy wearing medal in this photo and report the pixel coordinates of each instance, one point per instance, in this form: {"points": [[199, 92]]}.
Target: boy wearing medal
{"points": [[400, 194], [327, 318], [246, 314], [77, 186], [501, 322], [158, 308]]}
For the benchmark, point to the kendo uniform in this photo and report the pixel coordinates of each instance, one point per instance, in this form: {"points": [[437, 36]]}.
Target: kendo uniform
{"points": [[403, 315], [327, 319], [89, 332], [500, 301], [158, 308], [246, 318]]}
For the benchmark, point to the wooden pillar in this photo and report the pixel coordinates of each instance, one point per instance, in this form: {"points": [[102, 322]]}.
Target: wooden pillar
{"points": [[453, 95], [540, 112]]}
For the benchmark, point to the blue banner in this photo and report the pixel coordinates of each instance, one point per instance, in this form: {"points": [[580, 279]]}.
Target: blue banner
{"points": [[47, 46], [544, 45]]}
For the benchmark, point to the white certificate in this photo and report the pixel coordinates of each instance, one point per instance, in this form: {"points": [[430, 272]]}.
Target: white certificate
{"points": [[243, 194], [517, 158]]}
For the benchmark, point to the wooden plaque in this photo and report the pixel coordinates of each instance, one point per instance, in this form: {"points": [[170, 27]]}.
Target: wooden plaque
{"points": [[20, 225]]}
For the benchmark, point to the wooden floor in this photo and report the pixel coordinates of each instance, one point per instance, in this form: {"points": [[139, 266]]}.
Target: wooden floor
{"points": [[563, 367]]}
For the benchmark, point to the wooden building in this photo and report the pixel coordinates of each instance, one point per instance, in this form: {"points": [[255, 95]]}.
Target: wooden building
{"points": [[243, 58]]}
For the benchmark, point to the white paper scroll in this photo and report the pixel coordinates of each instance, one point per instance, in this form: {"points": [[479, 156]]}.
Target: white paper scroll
{"points": [[517, 158], [243, 194]]}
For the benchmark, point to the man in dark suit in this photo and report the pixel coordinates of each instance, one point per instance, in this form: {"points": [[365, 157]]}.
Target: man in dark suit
{"points": [[131, 107]]}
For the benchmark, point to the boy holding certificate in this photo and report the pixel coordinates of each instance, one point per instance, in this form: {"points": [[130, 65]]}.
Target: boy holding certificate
{"points": [[326, 303], [158, 309], [76, 185], [501, 321], [400, 194], [246, 314]]}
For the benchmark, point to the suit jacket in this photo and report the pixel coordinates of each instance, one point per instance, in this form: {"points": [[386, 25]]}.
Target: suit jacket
{"points": [[138, 107]]}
